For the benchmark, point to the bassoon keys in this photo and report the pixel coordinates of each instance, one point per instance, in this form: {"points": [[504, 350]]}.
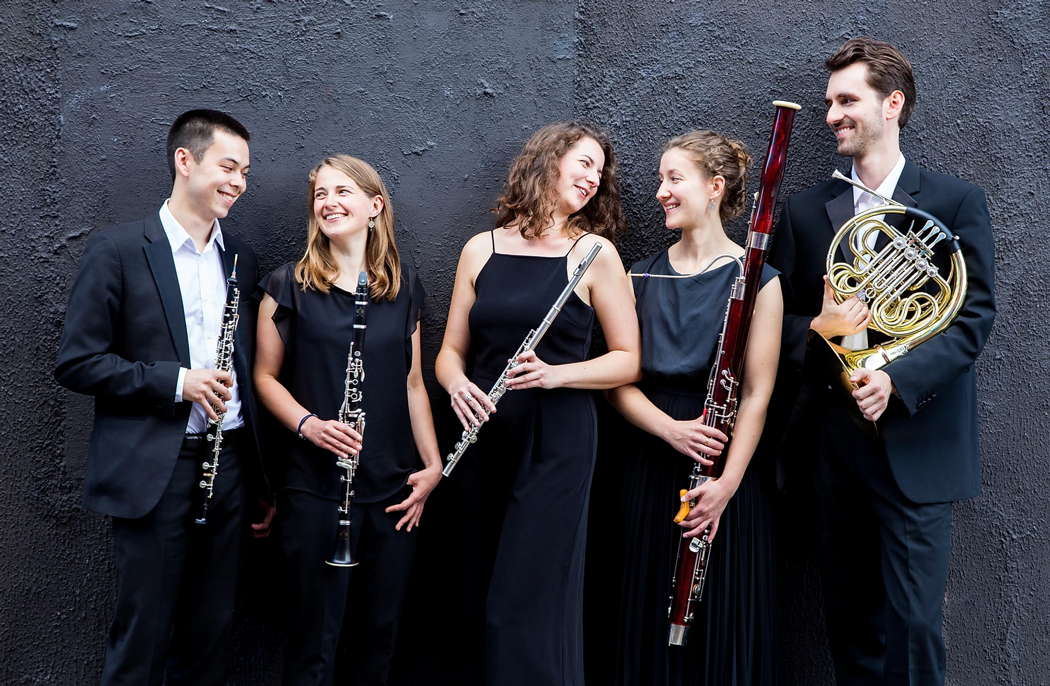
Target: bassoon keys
{"points": [[723, 385]]}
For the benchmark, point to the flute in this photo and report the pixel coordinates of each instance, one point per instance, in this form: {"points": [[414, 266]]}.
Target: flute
{"points": [[532, 339]]}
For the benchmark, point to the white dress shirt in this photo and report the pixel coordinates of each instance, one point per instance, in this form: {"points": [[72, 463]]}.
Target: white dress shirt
{"points": [[863, 201], [202, 283]]}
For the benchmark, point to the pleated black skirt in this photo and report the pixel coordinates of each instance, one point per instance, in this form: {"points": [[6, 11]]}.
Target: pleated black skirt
{"points": [[732, 641]]}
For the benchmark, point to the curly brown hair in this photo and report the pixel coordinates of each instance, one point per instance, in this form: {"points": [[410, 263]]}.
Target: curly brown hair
{"points": [[718, 155], [528, 199], [316, 269]]}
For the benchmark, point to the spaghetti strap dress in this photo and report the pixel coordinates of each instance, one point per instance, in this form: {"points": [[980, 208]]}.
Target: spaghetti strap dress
{"points": [[731, 641], [525, 484]]}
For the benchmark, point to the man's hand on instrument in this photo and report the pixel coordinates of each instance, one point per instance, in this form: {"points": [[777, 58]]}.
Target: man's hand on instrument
{"points": [[873, 394], [208, 388], [422, 483], [694, 439], [840, 319], [471, 404], [532, 372], [333, 435], [711, 498]]}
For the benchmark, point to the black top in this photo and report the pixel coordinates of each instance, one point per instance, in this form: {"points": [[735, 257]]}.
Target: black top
{"points": [[316, 329], [514, 293], [681, 319]]}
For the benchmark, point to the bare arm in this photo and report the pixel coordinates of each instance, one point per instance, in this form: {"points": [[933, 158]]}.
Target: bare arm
{"points": [[269, 355], [609, 292], [469, 402], [423, 481]]}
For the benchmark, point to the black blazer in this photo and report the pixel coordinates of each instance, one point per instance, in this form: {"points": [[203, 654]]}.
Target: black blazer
{"points": [[930, 426], [123, 342]]}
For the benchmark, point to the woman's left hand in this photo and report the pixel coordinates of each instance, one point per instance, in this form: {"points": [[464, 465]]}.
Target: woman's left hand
{"points": [[422, 483], [532, 372], [711, 499]]}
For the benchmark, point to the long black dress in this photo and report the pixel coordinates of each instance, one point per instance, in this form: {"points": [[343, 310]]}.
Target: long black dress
{"points": [[525, 484], [316, 329], [731, 641]]}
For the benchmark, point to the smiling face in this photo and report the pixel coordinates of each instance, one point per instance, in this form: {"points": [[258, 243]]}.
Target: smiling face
{"points": [[215, 182], [340, 207], [579, 175], [686, 191], [860, 116]]}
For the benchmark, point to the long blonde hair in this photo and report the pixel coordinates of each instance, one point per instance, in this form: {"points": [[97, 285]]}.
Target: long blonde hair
{"points": [[317, 270]]}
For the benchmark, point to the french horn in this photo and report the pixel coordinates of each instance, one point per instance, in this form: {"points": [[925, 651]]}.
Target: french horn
{"points": [[899, 275]]}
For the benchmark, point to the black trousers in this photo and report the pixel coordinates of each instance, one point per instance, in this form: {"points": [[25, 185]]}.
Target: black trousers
{"points": [[178, 580], [884, 563], [369, 596]]}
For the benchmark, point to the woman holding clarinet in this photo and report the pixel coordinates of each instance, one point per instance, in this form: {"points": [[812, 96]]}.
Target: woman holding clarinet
{"points": [[350, 281], [525, 483]]}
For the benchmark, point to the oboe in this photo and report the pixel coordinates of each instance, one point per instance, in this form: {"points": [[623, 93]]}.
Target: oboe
{"points": [[723, 384], [532, 339], [352, 414], [223, 363]]}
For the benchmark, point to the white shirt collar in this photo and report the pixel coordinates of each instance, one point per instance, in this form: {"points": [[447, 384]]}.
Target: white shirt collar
{"points": [[177, 235], [886, 188]]}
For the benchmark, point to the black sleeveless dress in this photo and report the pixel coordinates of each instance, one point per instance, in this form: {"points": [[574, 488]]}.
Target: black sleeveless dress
{"points": [[526, 484], [732, 640]]}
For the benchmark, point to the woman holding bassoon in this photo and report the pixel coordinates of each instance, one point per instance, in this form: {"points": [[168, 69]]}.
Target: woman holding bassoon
{"points": [[526, 482], [682, 295], [307, 320]]}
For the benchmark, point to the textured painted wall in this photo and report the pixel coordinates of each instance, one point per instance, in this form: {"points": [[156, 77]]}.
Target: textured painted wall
{"points": [[439, 96]]}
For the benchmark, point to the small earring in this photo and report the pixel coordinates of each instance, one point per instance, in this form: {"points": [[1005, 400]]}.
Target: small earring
{"points": [[371, 223], [710, 205]]}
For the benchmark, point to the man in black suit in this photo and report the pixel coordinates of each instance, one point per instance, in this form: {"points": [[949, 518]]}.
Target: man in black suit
{"points": [[140, 336], [884, 491]]}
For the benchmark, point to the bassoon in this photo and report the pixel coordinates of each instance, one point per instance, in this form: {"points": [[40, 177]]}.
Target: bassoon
{"points": [[723, 384]]}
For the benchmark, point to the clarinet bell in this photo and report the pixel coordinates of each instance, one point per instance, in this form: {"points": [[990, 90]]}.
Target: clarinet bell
{"points": [[342, 555]]}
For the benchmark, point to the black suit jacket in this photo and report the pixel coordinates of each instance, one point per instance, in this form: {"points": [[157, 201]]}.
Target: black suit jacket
{"points": [[123, 342], [930, 426]]}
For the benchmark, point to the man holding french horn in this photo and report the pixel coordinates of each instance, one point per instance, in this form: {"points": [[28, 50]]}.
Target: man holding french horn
{"points": [[888, 288]]}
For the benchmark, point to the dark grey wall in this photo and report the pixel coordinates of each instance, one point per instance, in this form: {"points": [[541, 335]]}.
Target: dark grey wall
{"points": [[439, 96]]}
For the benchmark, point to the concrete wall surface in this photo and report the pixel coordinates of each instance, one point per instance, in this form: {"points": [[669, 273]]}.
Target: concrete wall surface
{"points": [[439, 96]]}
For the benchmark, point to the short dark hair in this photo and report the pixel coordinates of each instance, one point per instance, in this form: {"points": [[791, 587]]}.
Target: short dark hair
{"points": [[888, 69], [194, 130]]}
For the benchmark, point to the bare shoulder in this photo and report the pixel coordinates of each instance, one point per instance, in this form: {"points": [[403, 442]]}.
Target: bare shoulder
{"points": [[608, 257]]}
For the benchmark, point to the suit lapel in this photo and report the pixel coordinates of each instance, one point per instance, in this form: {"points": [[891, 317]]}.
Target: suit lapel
{"points": [[162, 264], [228, 254], [839, 210]]}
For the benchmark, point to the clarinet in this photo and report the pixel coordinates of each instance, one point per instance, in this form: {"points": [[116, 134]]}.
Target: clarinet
{"points": [[532, 339], [352, 414], [723, 384], [224, 363]]}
